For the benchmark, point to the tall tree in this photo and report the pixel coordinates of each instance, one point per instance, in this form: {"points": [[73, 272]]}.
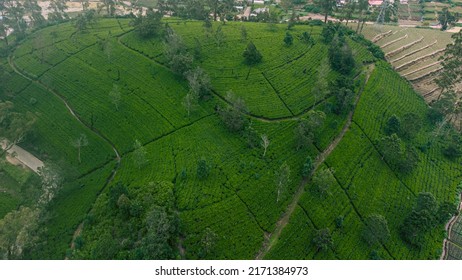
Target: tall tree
{"points": [[321, 86], [233, 114], [323, 181], [323, 240], [13, 13], [286, 5], [307, 129], [326, 6], [446, 18], [450, 79], [251, 54], [363, 6], [14, 126], [58, 11], [149, 25], [110, 6], [176, 53], [88, 17], [376, 230], [34, 11], [350, 10], [4, 29], [199, 83]]}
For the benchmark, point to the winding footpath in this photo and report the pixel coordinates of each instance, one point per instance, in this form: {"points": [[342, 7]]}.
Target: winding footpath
{"points": [[448, 227], [272, 238]]}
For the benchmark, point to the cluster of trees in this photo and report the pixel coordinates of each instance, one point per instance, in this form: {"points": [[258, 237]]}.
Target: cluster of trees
{"points": [[131, 223], [424, 217], [198, 9], [340, 55], [447, 19], [308, 129], [14, 126], [20, 229], [233, 114], [148, 25], [17, 16], [402, 157], [406, 127]]}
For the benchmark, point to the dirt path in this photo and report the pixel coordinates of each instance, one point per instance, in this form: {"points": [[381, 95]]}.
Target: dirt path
{"points": [[23, 156], [283, 221], [448, 228]]}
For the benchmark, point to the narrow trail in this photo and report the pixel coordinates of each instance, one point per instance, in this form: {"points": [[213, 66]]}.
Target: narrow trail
{"points": [[284, 220], [448, 227], [76, 117]]}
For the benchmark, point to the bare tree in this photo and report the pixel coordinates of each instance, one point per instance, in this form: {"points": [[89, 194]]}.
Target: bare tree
{"points": [[321, 87], [190, 102], [80, 142], [264, 143], [282, 179], [115, 96], [139, 154]]}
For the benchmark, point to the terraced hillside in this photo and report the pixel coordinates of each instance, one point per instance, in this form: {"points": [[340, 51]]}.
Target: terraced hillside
{"points": [[148, 160], [414, 54]]}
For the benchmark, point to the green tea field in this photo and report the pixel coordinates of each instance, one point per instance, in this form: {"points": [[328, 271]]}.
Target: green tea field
{"points": [[158, 179]]}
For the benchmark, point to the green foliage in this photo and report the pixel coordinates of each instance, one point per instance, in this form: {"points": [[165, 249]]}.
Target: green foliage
{"points": [[282, 180], [424, 216], [83, 20], [307, 38], [376, 230], [143, 224], [232, 115], [307, 167], [446, 18], [328, 33], [410, 125], [251, 54], [393, 125], [199, 83], [18, 232], [307, 130], [203, 169], [401, 157], [115, 192], [288, 39], [323, 240], [323, 180], [339, 221], [340, 56], [217, 210], [148, 26]]}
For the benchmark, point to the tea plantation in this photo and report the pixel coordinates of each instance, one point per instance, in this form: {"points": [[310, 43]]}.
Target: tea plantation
{"points": [[157, 181]]}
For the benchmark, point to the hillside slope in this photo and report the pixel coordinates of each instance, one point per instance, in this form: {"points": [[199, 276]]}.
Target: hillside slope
{"points": [[142, 164]]}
